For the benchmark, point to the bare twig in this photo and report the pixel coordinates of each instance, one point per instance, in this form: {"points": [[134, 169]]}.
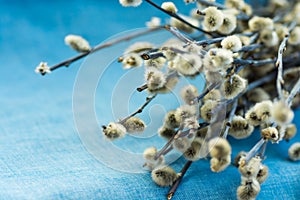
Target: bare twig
{"points": [[69, 61], [231, 115], [152, 55], [293, 93], [263, 150], [254, 149], [254, 63], [279, 62], [250, 47], [142, 88], [179, 35], [177, 182], [206, 91], [140, 109], [166, 146]]}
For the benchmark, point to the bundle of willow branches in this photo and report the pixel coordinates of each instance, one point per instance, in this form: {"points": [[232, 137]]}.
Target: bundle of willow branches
{"points": [[250, 60]]}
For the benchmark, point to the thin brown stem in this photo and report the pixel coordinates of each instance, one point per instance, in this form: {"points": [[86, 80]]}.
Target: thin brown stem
{"points": [[231, 115], [177, 182], [139, 110], [142, 88], [69, 61], [206, 91], [166, 146]]}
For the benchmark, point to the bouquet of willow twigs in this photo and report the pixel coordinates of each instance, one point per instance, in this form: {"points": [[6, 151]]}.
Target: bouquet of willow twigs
{"points": [[250, 61]]}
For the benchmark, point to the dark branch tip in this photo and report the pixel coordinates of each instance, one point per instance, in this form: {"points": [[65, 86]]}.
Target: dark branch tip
{"points": [[145, 56]]}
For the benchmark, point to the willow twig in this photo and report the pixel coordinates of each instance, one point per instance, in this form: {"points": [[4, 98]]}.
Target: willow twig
{"points": [[69, 61], [231, 115], [139, 110], [254, 149], [254, 63], [279, 62], [177, 182], [293, 93]]}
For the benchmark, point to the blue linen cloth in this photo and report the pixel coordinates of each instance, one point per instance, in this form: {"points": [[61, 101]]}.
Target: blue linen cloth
{"points": [[41, 154]]}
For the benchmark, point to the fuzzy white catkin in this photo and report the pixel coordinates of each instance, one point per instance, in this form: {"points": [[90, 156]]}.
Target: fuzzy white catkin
{"points": [[260, 113], [214, 95], [238, 158], [134, 125], [138, 47], [77, 43], [156, 62], [191, 123], [262, 174], [149, 156], [229, 24], [218, 164], [207, 110], [234, 3], [269, 37], [187, 64], [169, 6], [233, 86], [294, 152], [219, 147], [154, 22], [43, 68], [248, 190], [154, 78], [270, 133], [282, 113], [251, 169], [217, 59], [232, 43], [164, 176], [294, 38], [240, 128], [150, 153], [214, 76], [189, 93], [290, 131], [170, 120], [185, 111], [193, 152], [182, 144], [166, 132], [128, 3], [132, 60], [213, 18], [168, 87], [114, 131], [258, 23]]}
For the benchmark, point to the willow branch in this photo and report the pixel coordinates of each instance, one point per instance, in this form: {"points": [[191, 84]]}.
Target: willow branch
{"points": [[69, 61], [139, 110], [279, 62], [231, 115], [177, 182]]}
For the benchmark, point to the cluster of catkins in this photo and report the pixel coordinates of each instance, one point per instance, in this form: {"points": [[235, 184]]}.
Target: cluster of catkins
{"points": [[249, 72], [238, 53]]}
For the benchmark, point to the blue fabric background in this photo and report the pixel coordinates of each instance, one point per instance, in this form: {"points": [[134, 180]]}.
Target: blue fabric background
{"points": [[41, 155]]}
